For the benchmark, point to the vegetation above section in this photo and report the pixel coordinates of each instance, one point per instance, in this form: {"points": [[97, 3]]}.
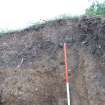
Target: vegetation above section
{"points": [[96, 9]]}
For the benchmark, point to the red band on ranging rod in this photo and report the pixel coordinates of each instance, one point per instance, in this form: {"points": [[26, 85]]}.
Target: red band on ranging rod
{"points": [[65, 59]]}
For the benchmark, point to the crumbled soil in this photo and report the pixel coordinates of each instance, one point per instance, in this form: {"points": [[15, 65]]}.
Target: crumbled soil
{"points": [[32, 70]]}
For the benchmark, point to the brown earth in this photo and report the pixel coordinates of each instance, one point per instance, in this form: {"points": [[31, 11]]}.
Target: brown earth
{"points": [[32, 70]]}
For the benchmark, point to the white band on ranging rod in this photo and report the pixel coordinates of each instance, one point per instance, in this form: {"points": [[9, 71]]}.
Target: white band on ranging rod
{"points": [[68, 93]]}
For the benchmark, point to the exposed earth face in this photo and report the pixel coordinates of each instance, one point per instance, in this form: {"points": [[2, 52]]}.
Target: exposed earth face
{"points": [[32, 70]]}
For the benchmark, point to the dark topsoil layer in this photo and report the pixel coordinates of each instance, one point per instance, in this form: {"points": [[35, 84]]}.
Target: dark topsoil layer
{"points": [[32, 66], [33, 42]]}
